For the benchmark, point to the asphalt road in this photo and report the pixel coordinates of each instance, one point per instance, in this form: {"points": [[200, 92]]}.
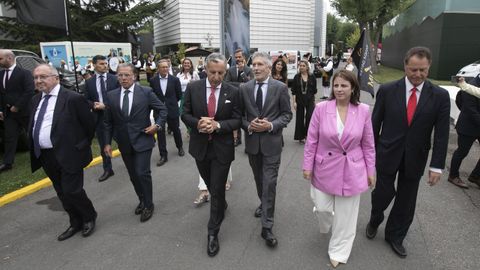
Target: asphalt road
{"points": [[445, 233]]}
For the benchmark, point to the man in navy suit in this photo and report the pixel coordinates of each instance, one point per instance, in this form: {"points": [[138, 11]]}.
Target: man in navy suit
{"points": [[61, 130], [169, 90], [16, 90], [127, 120], [96, 89], [405, 115]]}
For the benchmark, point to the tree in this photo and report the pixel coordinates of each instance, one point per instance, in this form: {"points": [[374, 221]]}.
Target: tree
{"points": [[181, 51], [338, 31], [371, 14], [353, 38], [90, 20]]}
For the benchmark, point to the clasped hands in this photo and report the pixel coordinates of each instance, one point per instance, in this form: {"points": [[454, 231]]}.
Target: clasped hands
{"points": [[259, 125], [98, 106], [207, 125]]}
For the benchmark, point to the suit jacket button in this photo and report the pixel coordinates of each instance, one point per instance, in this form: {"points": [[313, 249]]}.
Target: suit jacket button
{"points": [[344, 153], [329, 153]]}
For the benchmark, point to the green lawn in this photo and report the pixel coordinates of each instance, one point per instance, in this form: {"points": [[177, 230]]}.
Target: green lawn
{"points": [[387, 74], [21, 174]]}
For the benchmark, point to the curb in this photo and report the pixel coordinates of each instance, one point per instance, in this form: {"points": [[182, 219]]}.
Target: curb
{"points": [[20, 193]]}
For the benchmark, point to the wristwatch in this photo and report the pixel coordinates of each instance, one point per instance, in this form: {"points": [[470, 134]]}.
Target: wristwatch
{"points": [[218, 126]]}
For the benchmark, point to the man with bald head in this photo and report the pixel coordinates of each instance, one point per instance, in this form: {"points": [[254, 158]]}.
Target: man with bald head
{"points": [[60, 133], [16, 90]]}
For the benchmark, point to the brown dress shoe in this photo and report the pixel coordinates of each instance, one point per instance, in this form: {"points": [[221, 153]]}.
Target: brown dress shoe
{"points": [[457, 182]]}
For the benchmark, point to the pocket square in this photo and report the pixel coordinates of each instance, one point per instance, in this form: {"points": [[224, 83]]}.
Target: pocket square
{"points": [[227, 101]]}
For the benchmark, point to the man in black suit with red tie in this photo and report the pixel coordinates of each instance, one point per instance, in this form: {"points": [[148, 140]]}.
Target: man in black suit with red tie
{"points": [[212, 112], [169, 90], [96, 89], [16, 90], [61, 130], [405, 114]]}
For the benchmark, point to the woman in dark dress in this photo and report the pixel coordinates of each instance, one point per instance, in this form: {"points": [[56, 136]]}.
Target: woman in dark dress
{"points": [[304, 88], [279, 71]]}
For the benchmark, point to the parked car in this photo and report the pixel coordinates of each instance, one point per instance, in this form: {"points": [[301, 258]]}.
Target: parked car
{"points": [[470, 71]]}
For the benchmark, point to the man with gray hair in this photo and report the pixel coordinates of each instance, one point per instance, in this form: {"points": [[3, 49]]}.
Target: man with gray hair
{"points": [[266, 112], [61, 130], [212, 112], [16, 90]]}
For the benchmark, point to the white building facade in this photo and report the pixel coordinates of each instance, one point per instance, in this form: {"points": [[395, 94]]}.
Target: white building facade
{"points": [[274, 25]]}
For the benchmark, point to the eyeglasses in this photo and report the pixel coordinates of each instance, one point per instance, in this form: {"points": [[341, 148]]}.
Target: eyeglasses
{"points": [[43, 77], [121, 75]]}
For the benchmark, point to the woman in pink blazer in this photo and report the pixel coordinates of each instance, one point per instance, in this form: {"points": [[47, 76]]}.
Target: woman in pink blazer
{"points": [[339, 159]]}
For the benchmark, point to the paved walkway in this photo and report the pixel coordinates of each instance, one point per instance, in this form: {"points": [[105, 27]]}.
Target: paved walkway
{"points": [[445, 233]]}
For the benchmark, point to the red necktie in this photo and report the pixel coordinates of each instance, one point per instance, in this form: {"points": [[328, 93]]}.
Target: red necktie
{"points": [[211, 106], [211, 102], [412, 104]]}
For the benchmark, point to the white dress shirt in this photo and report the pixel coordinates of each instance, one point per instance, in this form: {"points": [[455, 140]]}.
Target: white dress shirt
{"points": [[99, 88], [264, 90], [217, 93], [163, 83], [130, 98], [409, 86], [340, 125], [9, 74], [46, 128]]}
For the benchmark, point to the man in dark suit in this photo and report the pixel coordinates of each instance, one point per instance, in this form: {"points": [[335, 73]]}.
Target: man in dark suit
{"points": [[127, 120], [211, 111], [16, 90], [96, 89], [266, 112], [236, 75], [405, 114], [169, 90], [61, 129], [468, 130]]}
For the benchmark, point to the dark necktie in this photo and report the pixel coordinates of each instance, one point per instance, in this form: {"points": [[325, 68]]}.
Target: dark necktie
{"points": [[412, 105], [38, 125], [6, 79], [125, 102], [239, 76], [102, 88], [259, 99]]}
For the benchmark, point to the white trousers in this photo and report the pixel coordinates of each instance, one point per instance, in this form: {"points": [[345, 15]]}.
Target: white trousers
{"points": [[340, 214], [326, 91], [202, 186]]}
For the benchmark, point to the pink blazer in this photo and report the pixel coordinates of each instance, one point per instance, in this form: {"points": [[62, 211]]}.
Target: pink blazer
{"points": [[340, 167]]}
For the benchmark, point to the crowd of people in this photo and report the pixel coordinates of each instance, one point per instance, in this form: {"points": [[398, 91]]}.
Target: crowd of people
{"points": [[347, 148]]}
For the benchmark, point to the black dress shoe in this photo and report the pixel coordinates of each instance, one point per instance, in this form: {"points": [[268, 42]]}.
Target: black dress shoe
{"points": [[105, 175], [162, 161], [147, 213], [398, 248], [88, 228], [270, 239], [181, 152], [212, 247], [371, 232], [5, 167], [139, 208], [71, 231], [258, 212]]}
